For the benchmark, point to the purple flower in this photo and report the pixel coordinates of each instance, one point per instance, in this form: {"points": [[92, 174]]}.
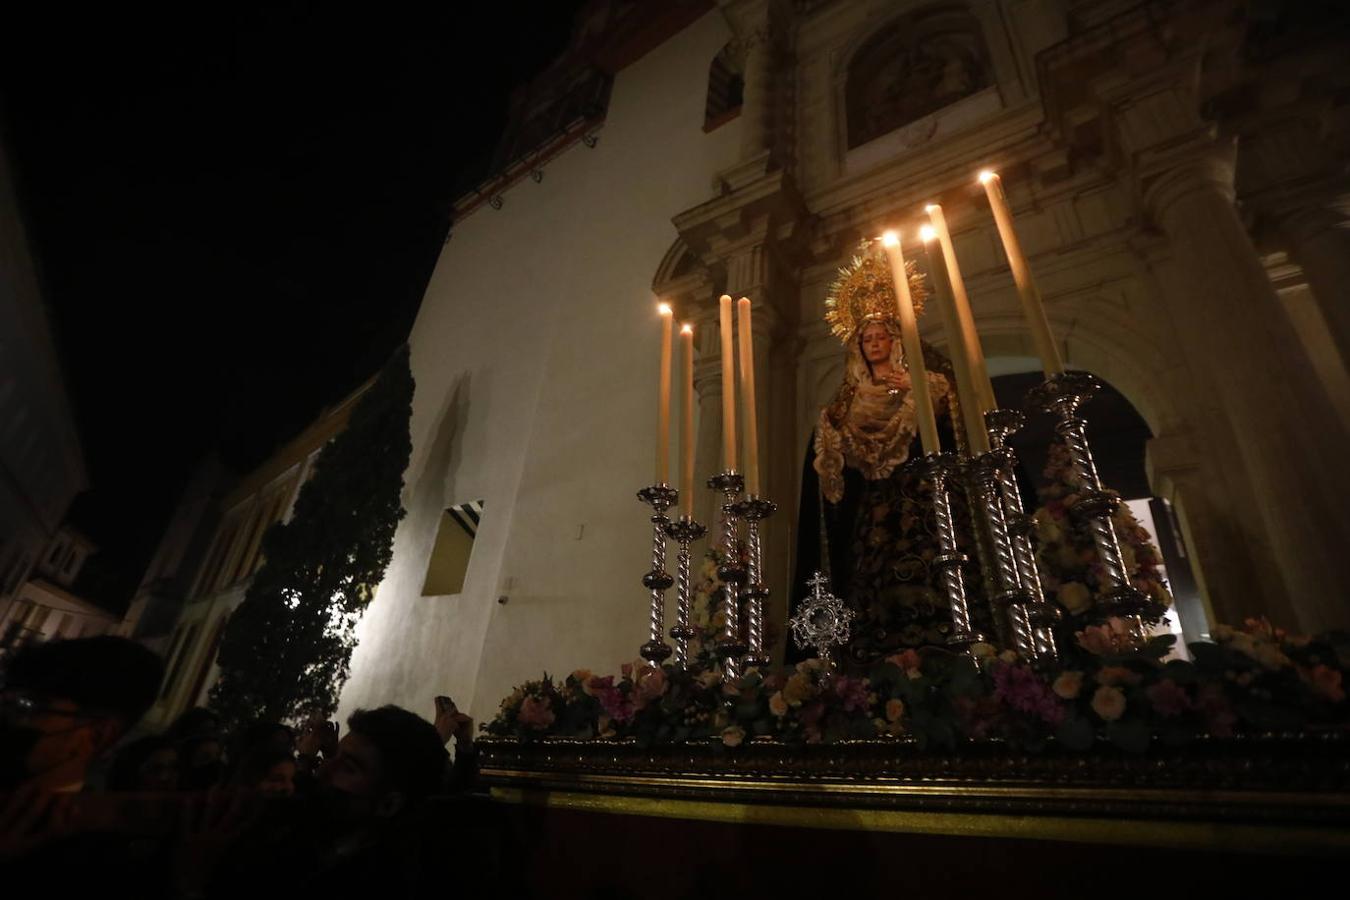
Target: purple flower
{"points": [[1021, 689], [852, 692], [1168, 698]]}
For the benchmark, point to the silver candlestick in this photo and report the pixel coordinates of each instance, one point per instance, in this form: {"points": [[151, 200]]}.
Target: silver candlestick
{"points": [[937, 469], [685, 531], [1063, 395], [731, 646], [1006, 591], [754, 510], [660, 497], [1039, 615]]}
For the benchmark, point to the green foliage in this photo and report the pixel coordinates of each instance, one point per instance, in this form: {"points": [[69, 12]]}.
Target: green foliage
{"points": [[287, 649]]}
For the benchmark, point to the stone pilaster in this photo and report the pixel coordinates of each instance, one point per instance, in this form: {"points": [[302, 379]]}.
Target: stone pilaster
{"points": [[1317, 236], [1290, 439]]}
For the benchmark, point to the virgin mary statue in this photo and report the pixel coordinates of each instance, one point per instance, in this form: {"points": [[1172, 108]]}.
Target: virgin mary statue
{"points": [[866, 520]]}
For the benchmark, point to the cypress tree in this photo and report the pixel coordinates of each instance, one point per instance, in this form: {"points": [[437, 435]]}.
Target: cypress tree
{"points": [[287, 649]]}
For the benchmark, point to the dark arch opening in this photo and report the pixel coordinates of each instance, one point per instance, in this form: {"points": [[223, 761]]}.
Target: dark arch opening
{"points": [[1119, 436]]}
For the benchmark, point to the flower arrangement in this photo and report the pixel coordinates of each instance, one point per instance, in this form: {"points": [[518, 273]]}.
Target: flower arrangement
{"points": [[1107, 687], [1069, 566]]}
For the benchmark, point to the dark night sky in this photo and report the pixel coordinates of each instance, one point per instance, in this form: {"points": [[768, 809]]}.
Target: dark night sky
{"points": [[235, 213]]}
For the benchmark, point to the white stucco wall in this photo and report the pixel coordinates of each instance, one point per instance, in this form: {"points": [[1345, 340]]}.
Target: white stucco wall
{"points": [[535, 360]]}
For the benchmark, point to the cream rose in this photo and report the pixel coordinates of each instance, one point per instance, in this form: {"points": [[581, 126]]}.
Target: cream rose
{"points": [[1075, 597], [1109, 703], [797, 689], [1068, 685]]}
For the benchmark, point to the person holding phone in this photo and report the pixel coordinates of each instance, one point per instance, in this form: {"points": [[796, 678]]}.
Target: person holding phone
{"points": [[451, 723]]}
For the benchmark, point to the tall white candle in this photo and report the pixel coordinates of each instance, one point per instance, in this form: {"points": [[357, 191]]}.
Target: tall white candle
{"points": [[728, 388], [1032, 307], [909, 335], [687, 423], [663, 403], [984, 389], [750, 428], [972, 414]]}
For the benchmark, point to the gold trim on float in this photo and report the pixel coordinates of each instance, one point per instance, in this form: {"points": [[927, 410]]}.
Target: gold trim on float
{"points": [[1145, 832], [1173, 796]]}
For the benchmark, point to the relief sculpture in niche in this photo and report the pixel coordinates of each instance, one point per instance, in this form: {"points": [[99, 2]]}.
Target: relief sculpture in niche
{"points": [[909, 71]]}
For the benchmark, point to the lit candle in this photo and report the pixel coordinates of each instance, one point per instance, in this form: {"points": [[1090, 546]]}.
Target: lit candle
{"points": [[748, 398], [960, 334], [728, 389], [984, 389], [1032, 307], [687, 423], [909, 336], [663, 413]]}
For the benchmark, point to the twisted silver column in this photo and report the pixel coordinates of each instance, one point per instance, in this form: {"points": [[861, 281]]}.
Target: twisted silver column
{"points": [[1007, 590], [1023, 635], [731, 647], [660, 497], [685, 531], [1038, 615], [1063, 395], [755, 510], [937, 469]]}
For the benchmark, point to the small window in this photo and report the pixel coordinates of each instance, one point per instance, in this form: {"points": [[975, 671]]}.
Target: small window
{"points": [[454, 544], [726, 88]]}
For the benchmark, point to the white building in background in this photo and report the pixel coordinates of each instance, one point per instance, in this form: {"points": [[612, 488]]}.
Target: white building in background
{"points": [[45, 606], [690, 149], [41, 463]]}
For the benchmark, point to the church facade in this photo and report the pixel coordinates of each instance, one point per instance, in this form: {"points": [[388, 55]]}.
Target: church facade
{"points": [[1174, 170]]}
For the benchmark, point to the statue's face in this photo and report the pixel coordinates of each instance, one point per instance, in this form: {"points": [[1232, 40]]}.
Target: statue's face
{"points": [[876, 343]]}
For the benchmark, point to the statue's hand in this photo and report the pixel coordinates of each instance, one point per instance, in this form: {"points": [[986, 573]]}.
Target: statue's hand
{"points": [[898, 381]]}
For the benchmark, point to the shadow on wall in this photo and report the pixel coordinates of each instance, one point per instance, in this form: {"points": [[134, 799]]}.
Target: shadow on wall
{"points": [[435, 486]]}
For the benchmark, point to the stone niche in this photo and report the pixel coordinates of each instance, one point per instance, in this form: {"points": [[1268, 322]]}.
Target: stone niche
{"points": [[922, 62]]}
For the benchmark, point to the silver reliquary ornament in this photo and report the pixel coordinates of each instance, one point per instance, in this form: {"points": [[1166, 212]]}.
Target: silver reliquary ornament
{"points": [[822, 622]]}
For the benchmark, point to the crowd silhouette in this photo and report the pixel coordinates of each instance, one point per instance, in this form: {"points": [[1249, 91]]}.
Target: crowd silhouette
{"points": [[90, 801]]}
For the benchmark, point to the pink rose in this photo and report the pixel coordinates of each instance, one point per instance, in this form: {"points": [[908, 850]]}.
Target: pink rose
{"points": [[1115, 675], [649, 684], [733, 736], [895, 710], [907, 661], [1325, 682], [536, 713], [777, 705]]}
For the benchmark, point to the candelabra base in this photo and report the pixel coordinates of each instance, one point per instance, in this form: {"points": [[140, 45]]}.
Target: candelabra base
{"points": [[655, 652]]}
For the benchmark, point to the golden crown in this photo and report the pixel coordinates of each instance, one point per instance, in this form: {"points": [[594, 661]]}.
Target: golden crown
{"points": [[864, 292]]}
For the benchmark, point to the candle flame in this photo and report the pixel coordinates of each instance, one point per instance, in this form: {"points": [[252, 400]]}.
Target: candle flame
{"points": [[987, 176], [664, 309], [930, 207], [890, 239], [927, 233], [686, 328]]}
